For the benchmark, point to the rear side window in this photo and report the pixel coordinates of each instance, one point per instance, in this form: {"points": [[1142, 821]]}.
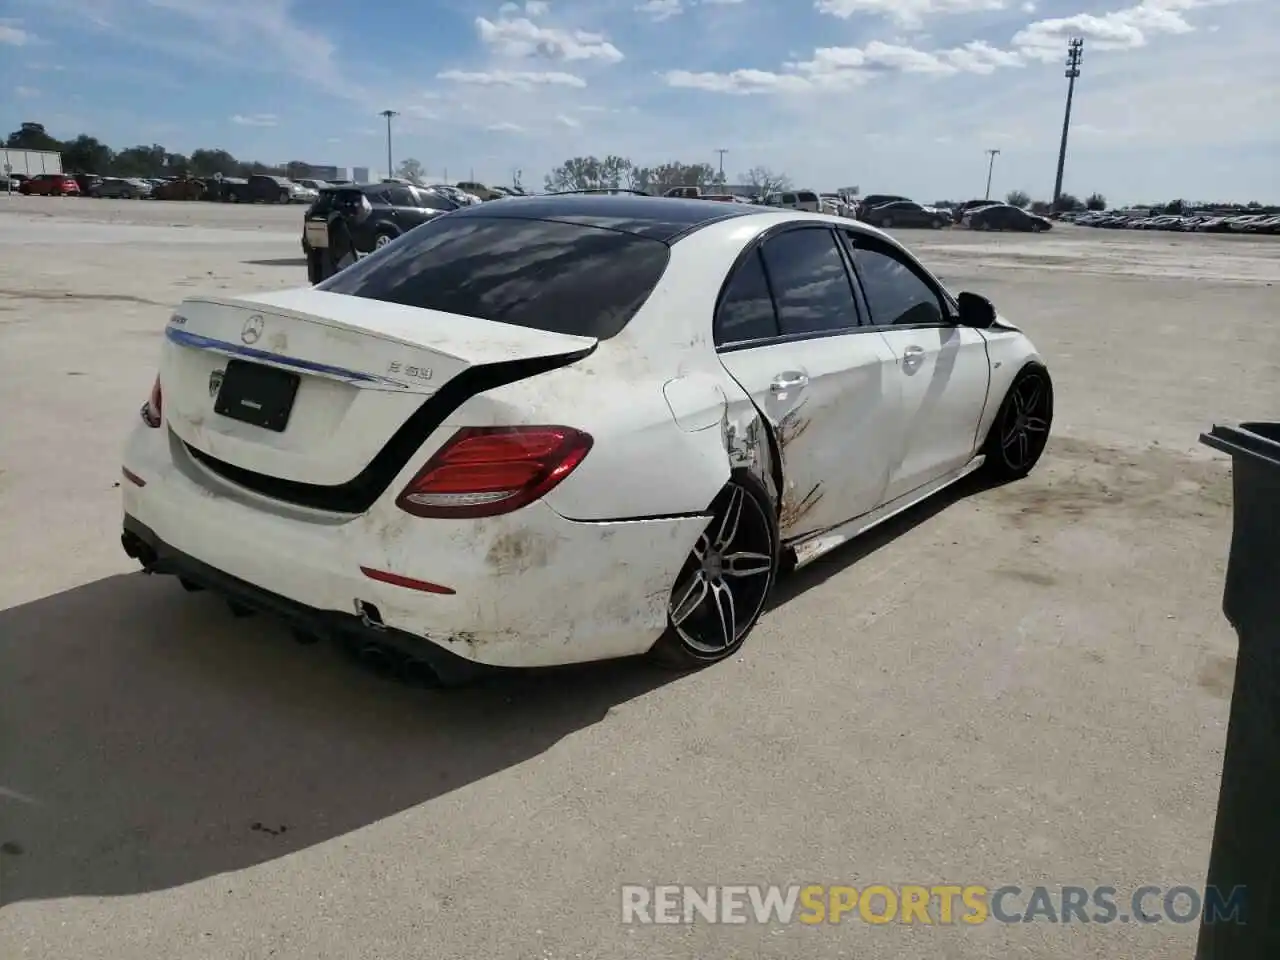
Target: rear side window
{"points": [[558, 277], [430, 200], [811, 286], [746, 311], [808, 197]]}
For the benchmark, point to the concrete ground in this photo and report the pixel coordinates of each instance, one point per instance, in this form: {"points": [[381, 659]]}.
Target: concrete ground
{"points": [[1018, 686]]}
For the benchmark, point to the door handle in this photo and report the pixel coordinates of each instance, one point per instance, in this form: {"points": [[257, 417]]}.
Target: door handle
{"points": [[913, 353], [791, 380]]}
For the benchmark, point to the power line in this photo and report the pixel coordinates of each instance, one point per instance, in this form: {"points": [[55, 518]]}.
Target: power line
{"points": [[991, 166], [1075, 53]]}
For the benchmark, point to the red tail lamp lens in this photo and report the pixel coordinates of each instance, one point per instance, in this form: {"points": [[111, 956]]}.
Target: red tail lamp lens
{"points": [[486, 471]]}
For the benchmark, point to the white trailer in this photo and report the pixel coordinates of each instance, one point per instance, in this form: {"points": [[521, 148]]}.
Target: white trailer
{"points": [[30, 162]]}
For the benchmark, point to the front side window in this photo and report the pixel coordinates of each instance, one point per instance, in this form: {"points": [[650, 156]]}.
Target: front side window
{"points": [[541, 274], [896, 294]]}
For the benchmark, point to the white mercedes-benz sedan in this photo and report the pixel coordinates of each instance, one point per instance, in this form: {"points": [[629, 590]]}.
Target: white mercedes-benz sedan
{"points": [[567, 428]]}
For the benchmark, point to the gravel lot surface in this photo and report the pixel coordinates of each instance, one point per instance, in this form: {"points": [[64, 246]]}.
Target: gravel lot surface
{"points": [[1017, 686]]}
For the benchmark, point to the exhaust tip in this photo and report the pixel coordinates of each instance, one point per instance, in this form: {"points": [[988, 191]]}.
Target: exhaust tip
{"points": [[136, 548]]}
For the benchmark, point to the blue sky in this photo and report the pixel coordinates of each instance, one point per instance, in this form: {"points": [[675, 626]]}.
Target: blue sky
{"points": [[1178, 98]]}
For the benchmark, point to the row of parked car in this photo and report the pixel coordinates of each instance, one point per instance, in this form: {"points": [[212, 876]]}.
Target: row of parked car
{"points": [[261, 188], [1253, 223]]}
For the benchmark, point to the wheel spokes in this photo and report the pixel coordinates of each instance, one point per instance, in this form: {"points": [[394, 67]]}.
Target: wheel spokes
{"points": [[722, 597], [745, 564], [689, 599], [1036, 425], [729, 524]]}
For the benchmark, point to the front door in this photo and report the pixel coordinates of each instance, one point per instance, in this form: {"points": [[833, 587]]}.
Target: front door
{"points": [[788, 332], [942, 367]]}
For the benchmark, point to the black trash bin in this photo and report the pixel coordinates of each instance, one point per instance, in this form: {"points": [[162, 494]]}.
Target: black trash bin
{"points": [[1241, 919]]}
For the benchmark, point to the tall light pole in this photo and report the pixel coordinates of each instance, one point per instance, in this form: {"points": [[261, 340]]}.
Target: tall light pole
{"points": [[991, 166], [1075, 53], [722, 151], [389, 114]]}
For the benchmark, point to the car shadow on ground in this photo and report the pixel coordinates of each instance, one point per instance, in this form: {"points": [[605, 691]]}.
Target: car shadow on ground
{"points": [[151, 739], [277, 262], [792, 585]]}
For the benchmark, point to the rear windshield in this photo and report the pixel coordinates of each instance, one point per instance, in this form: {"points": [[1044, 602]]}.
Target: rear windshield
{"points": [[545, 275], [808, 197]]}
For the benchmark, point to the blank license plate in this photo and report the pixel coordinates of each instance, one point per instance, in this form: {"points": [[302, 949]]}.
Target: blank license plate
{"points": [[317, 234], [257, 394]]}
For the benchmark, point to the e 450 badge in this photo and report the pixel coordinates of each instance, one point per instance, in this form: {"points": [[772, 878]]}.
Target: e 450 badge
{"points": [[415, 373]]}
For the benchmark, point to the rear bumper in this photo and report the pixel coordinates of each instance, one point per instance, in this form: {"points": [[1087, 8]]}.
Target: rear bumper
{"points": [[141, 543], [530, 588]]}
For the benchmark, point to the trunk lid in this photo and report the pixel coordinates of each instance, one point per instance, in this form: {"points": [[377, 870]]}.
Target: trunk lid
{"points": [[356, 370]]}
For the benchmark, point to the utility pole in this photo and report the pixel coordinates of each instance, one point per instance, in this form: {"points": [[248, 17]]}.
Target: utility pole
{"points": [[991, 166], [1075, 53], [722, 152], [389, 114]]}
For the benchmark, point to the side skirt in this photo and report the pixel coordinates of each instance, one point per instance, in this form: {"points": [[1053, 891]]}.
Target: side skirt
{"points": [[817, 544]]}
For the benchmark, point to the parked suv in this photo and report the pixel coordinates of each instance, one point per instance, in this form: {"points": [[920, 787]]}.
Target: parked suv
{"points": [[375, 214], [795, 200], [264, 188]]}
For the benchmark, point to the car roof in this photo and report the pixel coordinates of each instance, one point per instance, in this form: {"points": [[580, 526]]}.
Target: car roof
{"points": [[665, 219]]}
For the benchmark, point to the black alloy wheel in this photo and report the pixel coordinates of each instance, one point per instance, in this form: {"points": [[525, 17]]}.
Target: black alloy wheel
{"points": [[1021, 430], [722, 588]]}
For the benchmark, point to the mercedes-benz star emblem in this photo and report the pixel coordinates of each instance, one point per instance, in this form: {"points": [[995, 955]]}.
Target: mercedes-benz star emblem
{"points": [[252, 331]]}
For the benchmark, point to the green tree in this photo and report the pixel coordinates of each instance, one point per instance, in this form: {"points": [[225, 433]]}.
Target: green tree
{"points": [[140, 161], [207, 163], [410, 169], [32, 136], [1096, 201], [86, 154], [1068, 202], [1017, 198]]}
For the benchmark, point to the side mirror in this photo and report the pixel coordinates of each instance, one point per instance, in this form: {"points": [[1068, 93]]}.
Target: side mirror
{"points": [[976, 311]]}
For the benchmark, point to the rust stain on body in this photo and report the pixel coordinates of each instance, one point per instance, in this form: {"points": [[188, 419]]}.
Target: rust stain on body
{"points": [[793, 511], [518, 551]]}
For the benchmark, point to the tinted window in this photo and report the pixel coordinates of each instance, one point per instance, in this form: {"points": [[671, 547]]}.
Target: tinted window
{"points": [[808, 197], [810, 284], [560, 277], [430, 200], [746, 312], [895, 294], [401, 197], [788, 198]]}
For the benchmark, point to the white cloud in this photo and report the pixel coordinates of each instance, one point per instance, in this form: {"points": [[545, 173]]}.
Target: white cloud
{"points": [[1125, 29], [524, 38], [505, 128], [1028, 7], [521, 79], [26, 93], [568, 121], [256, 120], [659, 10], [11, 33], [537, 8], [908, 13]]}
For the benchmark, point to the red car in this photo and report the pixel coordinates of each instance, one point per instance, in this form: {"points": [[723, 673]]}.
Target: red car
{"points": [[50, 185]]}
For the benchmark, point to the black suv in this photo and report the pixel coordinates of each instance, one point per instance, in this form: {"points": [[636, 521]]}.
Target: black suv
{"points": [[264, 188], [375, 214]]}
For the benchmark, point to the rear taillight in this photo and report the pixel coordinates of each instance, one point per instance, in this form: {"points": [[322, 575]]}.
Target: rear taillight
{"points": [[485, 471], [152, 409]]}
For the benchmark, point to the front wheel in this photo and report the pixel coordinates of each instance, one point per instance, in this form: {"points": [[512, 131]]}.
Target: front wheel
{"points": [[936, 224], [1021, 429], [1036, 228], [284, 196], [722, 588], [886, 223], [382, 240]]}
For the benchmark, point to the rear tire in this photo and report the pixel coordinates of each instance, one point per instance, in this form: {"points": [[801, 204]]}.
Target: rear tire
{"points": [[722, 589], [886, 223], [936, 225], [284, 196], [1020, 432], [382, 240]]}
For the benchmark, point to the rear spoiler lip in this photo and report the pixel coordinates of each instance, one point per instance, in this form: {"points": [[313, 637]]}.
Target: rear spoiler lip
{"points": [[185, 338]]}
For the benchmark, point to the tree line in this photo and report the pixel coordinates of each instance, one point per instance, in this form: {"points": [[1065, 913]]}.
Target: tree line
{"points": [[620, 173], [88, 154]]}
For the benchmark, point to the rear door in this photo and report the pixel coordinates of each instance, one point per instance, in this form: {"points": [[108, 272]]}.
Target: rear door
{"points": [[941, 367], [788, 331]]}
